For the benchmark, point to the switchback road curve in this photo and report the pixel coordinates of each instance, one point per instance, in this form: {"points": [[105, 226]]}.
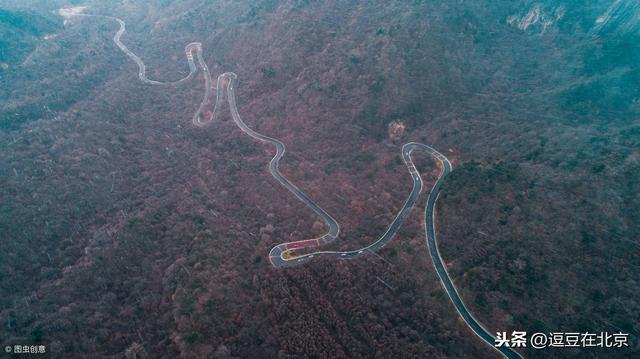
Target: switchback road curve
{"points": [[443, 274], [284, 254], [278, 254], [142, 70]]}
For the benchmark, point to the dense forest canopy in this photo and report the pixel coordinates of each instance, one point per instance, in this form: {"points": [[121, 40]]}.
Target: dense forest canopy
{"points": [[126, 231]]}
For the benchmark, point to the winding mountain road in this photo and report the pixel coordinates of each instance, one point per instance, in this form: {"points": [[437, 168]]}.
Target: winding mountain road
{"points": [[142, 69], [284, 254], [443, 274]]}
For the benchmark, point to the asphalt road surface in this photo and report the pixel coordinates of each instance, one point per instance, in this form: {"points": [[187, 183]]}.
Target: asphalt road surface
{"points": [[284, 254], [280, 255]]}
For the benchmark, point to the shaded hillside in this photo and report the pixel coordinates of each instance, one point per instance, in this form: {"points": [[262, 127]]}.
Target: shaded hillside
{"points": [[20, 32]]}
